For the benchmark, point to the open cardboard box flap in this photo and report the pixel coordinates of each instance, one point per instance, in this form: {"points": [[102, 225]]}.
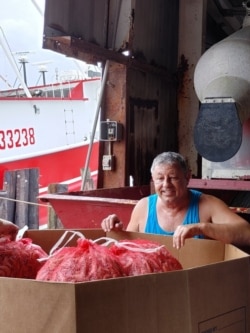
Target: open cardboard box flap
{"points": [[210, 294]]}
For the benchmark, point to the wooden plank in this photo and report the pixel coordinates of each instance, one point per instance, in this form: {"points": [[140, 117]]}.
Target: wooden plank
{"points": [[53, 221], [22, 197], [3, 205], [10, 188], [220, 184], [33, 210]]}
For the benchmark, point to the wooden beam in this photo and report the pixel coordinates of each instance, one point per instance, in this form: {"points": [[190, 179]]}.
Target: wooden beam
{"points": [[192, 20], [92, 54]]}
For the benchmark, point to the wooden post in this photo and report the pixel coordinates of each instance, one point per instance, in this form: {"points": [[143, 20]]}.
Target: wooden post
{"points": [[22, 195], [33, 211], [3, 205], [10, 188], [54, 221], [21, 187]]}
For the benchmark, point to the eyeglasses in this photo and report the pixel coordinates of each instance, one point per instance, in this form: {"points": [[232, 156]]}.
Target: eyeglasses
{"points": [[159, 181]]}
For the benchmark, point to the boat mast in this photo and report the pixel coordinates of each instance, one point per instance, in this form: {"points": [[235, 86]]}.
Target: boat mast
{"points": [[8, 54], [23, 60]]}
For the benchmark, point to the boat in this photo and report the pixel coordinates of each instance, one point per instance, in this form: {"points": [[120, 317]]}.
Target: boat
{"points": [[52, 127], [51, 130]]}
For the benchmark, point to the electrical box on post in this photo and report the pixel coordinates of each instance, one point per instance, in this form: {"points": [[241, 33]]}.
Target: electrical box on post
{"points": [[110, 131], [108, 162]]}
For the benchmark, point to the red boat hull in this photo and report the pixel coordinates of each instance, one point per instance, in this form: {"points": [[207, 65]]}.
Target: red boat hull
{"points": [[56, 167], [62, 166]]}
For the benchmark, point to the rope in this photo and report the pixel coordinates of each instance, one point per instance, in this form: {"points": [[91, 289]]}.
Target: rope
{"points": [[26, 202]]}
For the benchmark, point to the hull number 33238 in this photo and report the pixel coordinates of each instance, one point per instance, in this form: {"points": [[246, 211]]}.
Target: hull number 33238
{"points": [[15, 138]]}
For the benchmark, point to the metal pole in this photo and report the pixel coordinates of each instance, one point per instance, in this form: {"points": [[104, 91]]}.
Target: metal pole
{"points": [[105, 74], [104, 79], [23, 61], [13, 64]]}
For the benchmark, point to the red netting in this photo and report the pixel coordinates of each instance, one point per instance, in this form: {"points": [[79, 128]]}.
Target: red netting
{"points": [[85, 262], [19, 259], [142, 256], [90, 261]]}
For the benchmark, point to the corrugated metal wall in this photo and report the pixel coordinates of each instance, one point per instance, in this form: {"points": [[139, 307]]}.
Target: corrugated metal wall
{"points": [[103, 23], [156, 32]]}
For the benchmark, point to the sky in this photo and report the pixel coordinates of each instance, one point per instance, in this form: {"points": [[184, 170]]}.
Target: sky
{"points": [[21, 31]]}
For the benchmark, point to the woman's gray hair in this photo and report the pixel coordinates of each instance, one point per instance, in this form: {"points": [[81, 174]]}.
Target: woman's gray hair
{"points": [[170, 158]]}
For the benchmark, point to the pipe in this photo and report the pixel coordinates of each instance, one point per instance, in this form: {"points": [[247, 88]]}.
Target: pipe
{"points": [[98, 108], [104, 79]]}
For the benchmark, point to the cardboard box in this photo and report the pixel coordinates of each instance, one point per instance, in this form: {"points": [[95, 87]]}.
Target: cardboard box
{"points": [[210, 294]]}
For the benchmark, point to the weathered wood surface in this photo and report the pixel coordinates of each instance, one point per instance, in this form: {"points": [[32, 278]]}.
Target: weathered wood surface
{"points": [[53, 221], [3, 205], [22, 196], [22, 189], [33, 211], [9, 186]]}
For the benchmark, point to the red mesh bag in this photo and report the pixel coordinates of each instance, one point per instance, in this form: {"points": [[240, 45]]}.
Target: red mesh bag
{"points": [[86, 262], [142, 256], [19, 259]]}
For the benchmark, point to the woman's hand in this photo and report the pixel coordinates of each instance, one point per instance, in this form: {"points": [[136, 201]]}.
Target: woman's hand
{"points": [[111, 222]]}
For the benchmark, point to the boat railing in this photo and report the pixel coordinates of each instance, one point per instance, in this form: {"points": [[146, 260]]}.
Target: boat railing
{"points": [[59, 90]]}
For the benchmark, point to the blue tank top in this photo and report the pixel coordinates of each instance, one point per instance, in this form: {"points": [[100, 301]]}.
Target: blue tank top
{"points": [[192, 215]]}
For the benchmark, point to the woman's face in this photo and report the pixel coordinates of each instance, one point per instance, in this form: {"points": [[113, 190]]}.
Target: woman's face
{"points": [[170, 181]]}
